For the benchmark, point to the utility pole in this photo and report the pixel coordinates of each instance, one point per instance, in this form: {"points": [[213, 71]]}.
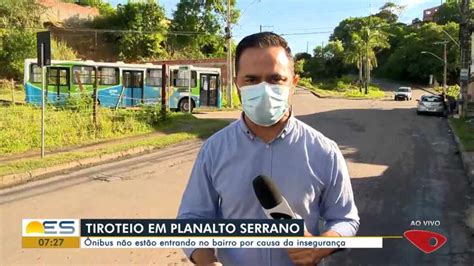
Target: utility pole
{"points": [[445, 61], [464, 39], [445, 72], [229, 57]]}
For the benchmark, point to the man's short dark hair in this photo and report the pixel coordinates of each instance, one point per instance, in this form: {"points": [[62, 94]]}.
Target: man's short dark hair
{"points": [[261, 40]]}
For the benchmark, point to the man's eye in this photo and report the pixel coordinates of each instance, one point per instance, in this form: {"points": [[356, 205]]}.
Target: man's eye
{"points": [[278, 79], [249, 80]]}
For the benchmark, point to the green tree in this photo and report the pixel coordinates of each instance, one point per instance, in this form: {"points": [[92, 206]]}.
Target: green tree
{"points": [[448, 12], [18, 40], [147, 28], [389, 12], [407, 63], [20, 14], [16, 46], [363, 38], [299, 56], [372, 39], [220, 7], [197, 29], [327, 61], [355, 55], [299, 67]]}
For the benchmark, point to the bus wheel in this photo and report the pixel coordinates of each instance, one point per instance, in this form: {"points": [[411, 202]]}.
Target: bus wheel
{"points": [[184, 105]]}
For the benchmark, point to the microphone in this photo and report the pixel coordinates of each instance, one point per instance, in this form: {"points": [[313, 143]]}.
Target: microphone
{"points": [[273, 203]]}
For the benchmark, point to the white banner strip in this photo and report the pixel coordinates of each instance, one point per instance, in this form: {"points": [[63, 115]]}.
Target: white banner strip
{"points": [[231, 242]]}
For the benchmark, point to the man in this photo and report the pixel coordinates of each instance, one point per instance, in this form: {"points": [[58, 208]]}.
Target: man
{"points": [[307, 167]]}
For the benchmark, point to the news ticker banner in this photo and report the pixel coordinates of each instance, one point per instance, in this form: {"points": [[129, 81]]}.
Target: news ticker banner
{"points": [[171, 233], [198, 233]]}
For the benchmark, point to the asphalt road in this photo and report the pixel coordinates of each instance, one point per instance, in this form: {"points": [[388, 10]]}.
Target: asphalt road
{"points": [[404, 168]]}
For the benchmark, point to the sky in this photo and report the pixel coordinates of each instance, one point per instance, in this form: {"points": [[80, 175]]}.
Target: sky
{"points": [[304, 23]]}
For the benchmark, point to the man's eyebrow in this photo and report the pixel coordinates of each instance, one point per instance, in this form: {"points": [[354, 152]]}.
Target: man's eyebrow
{"points": [[277, 75], [250, 76]]}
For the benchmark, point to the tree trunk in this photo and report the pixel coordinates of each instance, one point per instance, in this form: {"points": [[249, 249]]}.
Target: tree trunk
{"points": [[360, 65], [367, 74], [368, 79]]}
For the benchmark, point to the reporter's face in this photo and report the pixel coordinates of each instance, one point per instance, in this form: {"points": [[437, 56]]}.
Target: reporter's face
{"points": [[265, 64]]}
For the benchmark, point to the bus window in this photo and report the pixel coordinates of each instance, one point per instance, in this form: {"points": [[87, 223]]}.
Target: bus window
{"points": [[180, 80], [55, 78], [108, 75], [153, 77], [85, 73], [35, 73]]}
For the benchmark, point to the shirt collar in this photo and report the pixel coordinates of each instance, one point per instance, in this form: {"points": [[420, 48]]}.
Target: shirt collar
{"points": [[290, 124]]}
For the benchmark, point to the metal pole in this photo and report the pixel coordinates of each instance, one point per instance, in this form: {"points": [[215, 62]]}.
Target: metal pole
{"points": [[43, 100], [13, 92], [464, 40], [96, 96], [229, 57], [164, 79], [445, 67], [189, 89], [260, 28]]}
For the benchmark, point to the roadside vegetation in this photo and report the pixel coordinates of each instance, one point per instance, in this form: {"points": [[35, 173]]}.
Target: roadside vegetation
{"points": [[11, 93], [465, 131], [344, 87], [73, 124], [453, 91], [184, 128]]}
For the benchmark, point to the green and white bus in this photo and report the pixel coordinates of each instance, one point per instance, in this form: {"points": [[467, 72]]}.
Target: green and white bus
{"points": [[123, 85]]}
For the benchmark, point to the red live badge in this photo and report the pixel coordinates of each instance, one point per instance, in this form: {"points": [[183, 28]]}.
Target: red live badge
{"points": [[425, 241]]}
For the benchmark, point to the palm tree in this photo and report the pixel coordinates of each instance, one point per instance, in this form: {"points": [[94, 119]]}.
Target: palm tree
{"points": [[375, 40], [365, 44], [355, 55]]}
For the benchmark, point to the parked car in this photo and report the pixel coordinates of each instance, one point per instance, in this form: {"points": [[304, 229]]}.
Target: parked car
{"points": [[432, 104], [403, 93]]}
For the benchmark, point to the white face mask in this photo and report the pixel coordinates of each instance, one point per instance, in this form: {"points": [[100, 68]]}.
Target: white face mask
{"points": [[265, 103]]}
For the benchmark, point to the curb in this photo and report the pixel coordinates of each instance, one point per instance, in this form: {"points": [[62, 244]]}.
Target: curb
{"points": [[317, 95], [21, 178], [467, 163], [338, 97]]}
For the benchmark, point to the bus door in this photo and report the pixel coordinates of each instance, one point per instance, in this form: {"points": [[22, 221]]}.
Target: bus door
{"points": [[58, 83], [208, 89], [133, 86]]}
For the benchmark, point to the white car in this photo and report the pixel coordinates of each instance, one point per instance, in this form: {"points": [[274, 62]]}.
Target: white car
{"points": [[430, 104], [403, 93]]}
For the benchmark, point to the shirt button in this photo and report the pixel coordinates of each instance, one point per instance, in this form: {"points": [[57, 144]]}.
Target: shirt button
{"points": [[268, 146]]}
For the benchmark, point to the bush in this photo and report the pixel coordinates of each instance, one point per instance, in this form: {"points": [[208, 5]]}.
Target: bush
{"points": [[235, 98], [82, 102], [348, 79], [306, 82], [154, 116]]}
